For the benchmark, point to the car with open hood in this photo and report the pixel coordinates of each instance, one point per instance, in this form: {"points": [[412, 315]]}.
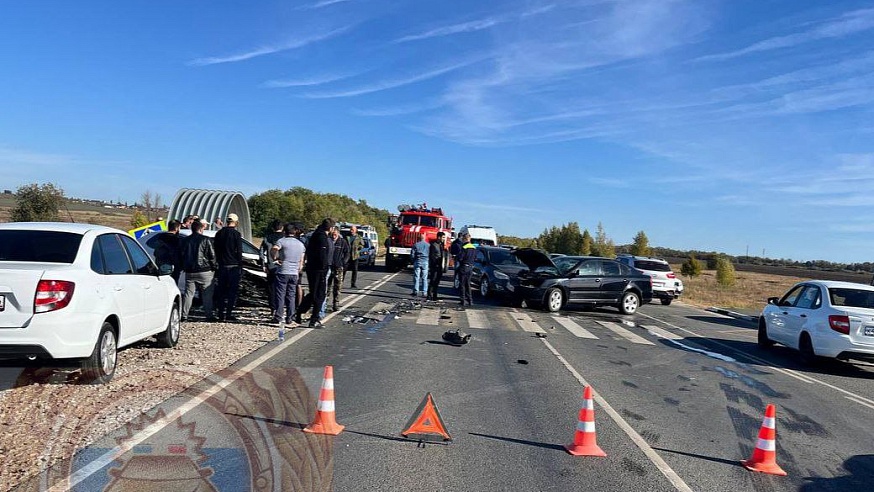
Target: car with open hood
{"points": [[553, 283], [492, 270]]}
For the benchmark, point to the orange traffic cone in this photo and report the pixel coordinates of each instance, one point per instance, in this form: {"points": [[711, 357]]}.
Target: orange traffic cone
{"points": [[585, 442], [765, 455], [325, 422]]}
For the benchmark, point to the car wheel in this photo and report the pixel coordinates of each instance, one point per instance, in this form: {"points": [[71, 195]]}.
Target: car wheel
{"points": [[100, 366], [554, 300], [484, 288], [170, 337], [763, 340], [666, 301], [629, 303], [805, 348]]}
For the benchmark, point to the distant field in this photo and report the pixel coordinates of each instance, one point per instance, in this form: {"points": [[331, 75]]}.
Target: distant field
{"points": [[78, 212]]}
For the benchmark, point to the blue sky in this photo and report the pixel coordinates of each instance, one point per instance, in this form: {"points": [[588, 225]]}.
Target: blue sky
{"points": [[709, 124]]}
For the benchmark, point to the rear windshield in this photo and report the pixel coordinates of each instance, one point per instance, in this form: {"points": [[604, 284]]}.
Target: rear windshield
{"points": [[653, 266], [852, 297], [39, 246]]}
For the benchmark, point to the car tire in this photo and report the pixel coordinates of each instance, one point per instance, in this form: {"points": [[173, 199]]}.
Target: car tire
{"points": [[763, 341], [170, 336], [805, 349], [100, 366], [666, 301], [485, 289], [629, 303], [553, 300]]}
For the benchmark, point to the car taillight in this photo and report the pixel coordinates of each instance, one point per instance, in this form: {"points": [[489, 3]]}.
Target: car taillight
{"points": [[671, 275], [839, 323], [52, 295]]}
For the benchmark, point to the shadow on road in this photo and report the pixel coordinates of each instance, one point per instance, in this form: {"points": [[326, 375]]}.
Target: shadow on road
{"points": [[861, 469], [521, 441]]}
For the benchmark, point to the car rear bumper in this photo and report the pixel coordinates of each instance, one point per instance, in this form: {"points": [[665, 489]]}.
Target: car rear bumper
{"points": [[665, 294], [841, 347], [58, 335]]}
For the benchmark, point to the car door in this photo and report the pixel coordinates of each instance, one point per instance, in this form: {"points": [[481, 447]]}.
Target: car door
{"points": [[156, 295], [801, 313], [781, 316], [584, 284], [479, 268], [613, 282], [125, 288]]}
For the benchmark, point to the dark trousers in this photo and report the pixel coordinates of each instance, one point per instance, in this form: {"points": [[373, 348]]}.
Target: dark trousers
{"points": [[464, 273], [353, 267], [271, 289], [285, 292], [435, 273], [319, 290], [227, 288]]}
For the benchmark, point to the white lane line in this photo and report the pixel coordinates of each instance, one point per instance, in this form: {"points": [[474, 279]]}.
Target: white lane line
{"points": [[526, 323], [108, 457], [789, 372], [574, 328], [476, 319], [650, 453], [428, 317], [622, 332], [662, 333], [860, 402]]}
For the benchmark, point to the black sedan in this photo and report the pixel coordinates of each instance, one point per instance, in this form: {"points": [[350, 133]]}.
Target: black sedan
{"points": [[493, 269], [585, 280]]}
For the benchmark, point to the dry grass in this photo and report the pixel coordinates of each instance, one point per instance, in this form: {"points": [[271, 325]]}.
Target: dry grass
{"points": [[750, 292]]}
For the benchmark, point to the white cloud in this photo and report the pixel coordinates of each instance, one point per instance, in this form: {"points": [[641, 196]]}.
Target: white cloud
{"points": [[306, 82], [474, 25], [269, 49], [324, 3]]}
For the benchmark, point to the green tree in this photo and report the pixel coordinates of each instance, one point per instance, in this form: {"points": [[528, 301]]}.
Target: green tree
{"points": [[565, 239], [587, 243], [691, 267], [138, 219], [34, 202], [603, 245], [725, 275], [641, 245]]}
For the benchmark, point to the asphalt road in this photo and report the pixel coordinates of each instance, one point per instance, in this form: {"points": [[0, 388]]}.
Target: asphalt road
{"points": [[681, 394]]}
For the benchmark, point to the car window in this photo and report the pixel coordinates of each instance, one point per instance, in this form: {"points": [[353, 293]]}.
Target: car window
{"points": [[589, 268], [97, 258], [653, 266], [114, 257], [791, 296], [504, 257], [250, 248], [39, 246], [142, 263], [810, 298], [480, 256], [851, 297], [610, 268], [428, 221], [410, 220], [625, 269], [565, 264]]}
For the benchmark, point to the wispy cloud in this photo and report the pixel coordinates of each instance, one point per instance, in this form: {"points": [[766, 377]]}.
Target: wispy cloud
{"points": [[474, 25], [394, 83], [496, 206], [307, 82], [401, 110], [844, 25], [269, 49], [324, 3]]}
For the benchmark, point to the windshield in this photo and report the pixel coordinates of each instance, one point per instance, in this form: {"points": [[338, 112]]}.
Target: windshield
{"points": [[503, 258], [39, 246], [423, 220], [851, 297]]}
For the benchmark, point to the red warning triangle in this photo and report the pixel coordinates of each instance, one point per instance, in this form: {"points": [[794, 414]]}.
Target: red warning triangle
{"points": [[426, 423]]}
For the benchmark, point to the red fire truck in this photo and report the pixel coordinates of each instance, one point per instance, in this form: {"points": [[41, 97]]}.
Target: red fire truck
{"points": [[404, 230]]}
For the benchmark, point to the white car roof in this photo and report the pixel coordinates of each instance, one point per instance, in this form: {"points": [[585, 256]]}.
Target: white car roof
{"points": [[839, 284], [71, 227]]}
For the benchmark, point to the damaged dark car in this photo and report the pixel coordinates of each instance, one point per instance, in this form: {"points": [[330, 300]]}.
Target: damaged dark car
{"points": [[554, 283]]}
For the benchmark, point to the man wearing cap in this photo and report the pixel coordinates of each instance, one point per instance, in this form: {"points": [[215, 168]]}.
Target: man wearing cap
{"points": [[229, 254]]}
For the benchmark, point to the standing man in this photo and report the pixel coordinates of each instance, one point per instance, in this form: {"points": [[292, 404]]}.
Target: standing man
{"points": [[465, 268], [229, 254], [419, 257], [338, 268], [455, 252], [169, 251], [270, 265], [198, 260], [435, 265], [355, 246], [318, 258], [288, 252]]}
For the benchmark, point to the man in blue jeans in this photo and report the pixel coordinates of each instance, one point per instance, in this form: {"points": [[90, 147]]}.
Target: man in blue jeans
{"points": [[419, 256], [289, 253]]}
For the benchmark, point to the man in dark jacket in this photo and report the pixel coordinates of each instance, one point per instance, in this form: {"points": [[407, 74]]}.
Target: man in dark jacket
{"points": [[464, 266], [355, 246], [435, 265], [318, 260], [198, 261], [454, 253], [338, 265], [169, 250], [229, 255], [270, 265]]}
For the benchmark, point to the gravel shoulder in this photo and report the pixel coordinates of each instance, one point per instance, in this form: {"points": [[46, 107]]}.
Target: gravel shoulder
{"points": [[47, 415]]}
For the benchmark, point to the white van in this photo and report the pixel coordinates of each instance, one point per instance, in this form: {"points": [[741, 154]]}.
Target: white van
{"points": [[479, 234]]}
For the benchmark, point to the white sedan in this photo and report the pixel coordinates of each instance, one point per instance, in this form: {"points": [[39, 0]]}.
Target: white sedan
{"points": [[822, 319], [81, 291]]}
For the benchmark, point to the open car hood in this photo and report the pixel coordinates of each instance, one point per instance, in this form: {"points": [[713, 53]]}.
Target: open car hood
{"points": [[534, 258]]}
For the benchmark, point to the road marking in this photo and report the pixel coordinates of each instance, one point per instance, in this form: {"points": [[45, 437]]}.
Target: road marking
{"points": [[428, 317], [525, 322], [650, 453], [476, 319], [622, 332], [574, 328], [108, 457], [789, 372], [663, 333]]}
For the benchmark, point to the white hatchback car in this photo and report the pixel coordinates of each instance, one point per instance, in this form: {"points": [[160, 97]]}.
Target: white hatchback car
{"points": [[81, 291], [821, 319]]}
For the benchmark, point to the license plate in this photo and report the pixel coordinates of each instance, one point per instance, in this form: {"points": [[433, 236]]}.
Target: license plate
{"points": [[2, 303], [869, 331]]}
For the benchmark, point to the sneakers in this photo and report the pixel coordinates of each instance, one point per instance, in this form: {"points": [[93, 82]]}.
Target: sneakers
{"points": [[315, 324]]}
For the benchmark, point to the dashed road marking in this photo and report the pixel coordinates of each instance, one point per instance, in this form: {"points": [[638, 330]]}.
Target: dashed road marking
{"points": [[526, 323], [622, 332], [476, 319], [574, 328]]}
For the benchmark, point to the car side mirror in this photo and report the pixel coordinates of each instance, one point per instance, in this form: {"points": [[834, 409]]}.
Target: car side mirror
{"points": [[773, 300], [165, 269]]}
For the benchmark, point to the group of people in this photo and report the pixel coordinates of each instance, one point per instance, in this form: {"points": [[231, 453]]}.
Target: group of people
{"points": [[428, 260]]}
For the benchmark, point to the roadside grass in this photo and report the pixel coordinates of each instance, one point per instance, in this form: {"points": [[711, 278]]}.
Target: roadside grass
{"points": [[749, 294]]}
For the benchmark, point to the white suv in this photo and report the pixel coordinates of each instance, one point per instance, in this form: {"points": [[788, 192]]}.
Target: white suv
{"points": [[665, 284]]}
